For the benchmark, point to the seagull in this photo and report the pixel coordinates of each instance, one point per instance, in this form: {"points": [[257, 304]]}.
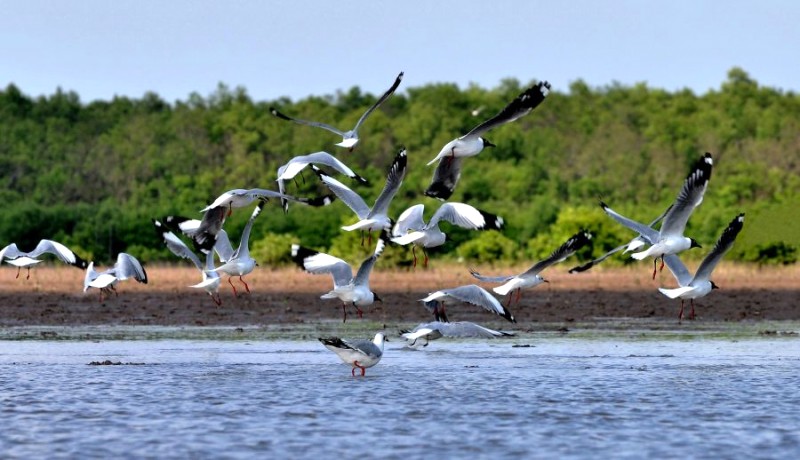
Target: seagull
{"points": [[349, 138], [346, 287], [531, 278], [471, 294], [298, 163], [632, 245], [670, 239], [699, 285], [211, 279], [426, 332], [411, 228], [375, 218], [12, 255], [472, 143], [215, 214], [240, 263], [360, 354], [126, 267]]}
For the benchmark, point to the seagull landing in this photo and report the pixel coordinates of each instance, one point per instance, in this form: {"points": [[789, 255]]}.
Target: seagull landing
{"points": [[349, 138], [12, 255]]}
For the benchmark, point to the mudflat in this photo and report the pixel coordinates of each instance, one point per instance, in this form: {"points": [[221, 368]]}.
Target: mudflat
{"points": [[53, 295]]}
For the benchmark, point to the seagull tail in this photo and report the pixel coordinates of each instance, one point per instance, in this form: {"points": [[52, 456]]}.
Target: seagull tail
{"points": [[674, 293]]}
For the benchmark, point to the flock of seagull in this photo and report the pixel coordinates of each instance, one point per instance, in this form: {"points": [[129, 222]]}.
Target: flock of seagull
{"points": [[204, 241]]}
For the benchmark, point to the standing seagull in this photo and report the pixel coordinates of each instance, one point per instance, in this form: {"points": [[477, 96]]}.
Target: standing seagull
{"points": [[349, 138], [448, 172], [471, 294], [240, 263], [348, 289], [126, 267], [211, 279], [12, 255], [699, 285], [670, 239], [411, 227], [632, 245], [426, 332], [531, 278], [375, 218], [298, 163], [360, 354]]}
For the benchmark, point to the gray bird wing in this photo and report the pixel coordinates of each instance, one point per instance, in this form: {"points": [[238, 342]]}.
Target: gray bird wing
{"points": [[520, 106], [176, 245], [315, 124], [462, 329], [352, 199], [476, 295], [690, 196], [397, 171], [362, 277], [466, 216], [410, 219], [318, 263], [10, 252], [723, 245], [57, 249], [297, 164], [490, 279], [678, 269], [592, 263], [380, 101], [244, 244], [445, 178], [128, 267], [574, 243], [648, 233]]}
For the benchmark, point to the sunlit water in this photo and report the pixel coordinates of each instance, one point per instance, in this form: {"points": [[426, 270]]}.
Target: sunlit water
{"points": [[560, 397]]}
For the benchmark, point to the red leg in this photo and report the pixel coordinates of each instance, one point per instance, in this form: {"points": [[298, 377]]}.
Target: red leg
{"points": [[425, 262], [245, 284], [414, 252], [235, 294], [358, 310], [655, 261], [680, 313], [362, 237], [519, 295], [18, 269], [510, 296], [369, 241], [356, 365], [28, 275], [217, 299], [661, 268], [344, 312], [691, 313]]}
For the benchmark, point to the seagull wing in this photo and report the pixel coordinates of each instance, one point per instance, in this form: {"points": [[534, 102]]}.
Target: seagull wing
{"points": [[474, 295], [176, 245], [521, 106], [352, 199], [724, 244], [317, 263], [380, 101], [316, 124], [10, 252], [678, 269], [489, 279], [445, 178], [462, 329], [592, 263], [647, 232], [59, 250], [466, 216], [297, 164], [690, 196], [393, 181], [362, 277], [574, 243], [128, 267], [410, 219]]}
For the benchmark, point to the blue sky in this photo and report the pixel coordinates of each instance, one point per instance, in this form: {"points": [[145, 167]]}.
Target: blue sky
{"points": [[296, 48]]}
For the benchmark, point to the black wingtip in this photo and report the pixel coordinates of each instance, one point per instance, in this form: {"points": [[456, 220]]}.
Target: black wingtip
{"points": [[361, 180], [301, 253], [581, 268], [603, 205], [492, 221], [276, 113], [332, 341], [439, 191], [508, 316], [324, 200]]}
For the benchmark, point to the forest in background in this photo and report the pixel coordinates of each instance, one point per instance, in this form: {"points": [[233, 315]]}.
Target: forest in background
{"points": [[92, 175]]}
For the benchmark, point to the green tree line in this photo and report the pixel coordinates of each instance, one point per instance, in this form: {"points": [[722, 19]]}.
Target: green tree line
{"points": [[92, 175]]}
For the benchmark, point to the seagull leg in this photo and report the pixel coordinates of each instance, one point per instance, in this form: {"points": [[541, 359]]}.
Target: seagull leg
{"points": [[369, 241], [28, 275], [235, 294], [444, 314], [519, 295], [344, 312], [230, 209], [356, 365], [691, 313], [680, 313], [303, 177], [655, 263], [661, 268], [362, 237], [18, 269], [360, 312], [216, 298], [425, 262], [114, 290], [414, 252], [245, 284]]}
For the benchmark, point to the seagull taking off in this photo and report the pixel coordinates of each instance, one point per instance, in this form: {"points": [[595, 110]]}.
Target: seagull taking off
{"points": [[531, 278], [447, 174], [346, 287], [349, 138], [471, 294], [126, 267], [375, 218], [670, 239], [421, 335], [699, 285], [360, 354], [12, 255], [240, 263], [298, 163], [411, 228], [211, 279]]}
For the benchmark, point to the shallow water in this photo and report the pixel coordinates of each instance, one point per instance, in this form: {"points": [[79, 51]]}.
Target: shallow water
{"points": [[565, 397]]}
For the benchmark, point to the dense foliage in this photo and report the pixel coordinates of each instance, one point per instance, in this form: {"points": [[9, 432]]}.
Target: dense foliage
{"points": [[93, 174]]}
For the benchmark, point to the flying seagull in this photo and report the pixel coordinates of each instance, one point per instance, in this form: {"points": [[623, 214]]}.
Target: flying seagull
{"points": [[471, 294], [412, 229], [699, 285], [447, 174], [349, 138], [211, 279], [670, 239], [375, 218], [360, 354], [298, 163], [12, 255], [346, 287], [240, 263], [531, 278], [424, 333], [125, 267]]}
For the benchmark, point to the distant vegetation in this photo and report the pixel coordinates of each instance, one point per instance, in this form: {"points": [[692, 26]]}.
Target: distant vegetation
{"points": [[93, 174]]}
